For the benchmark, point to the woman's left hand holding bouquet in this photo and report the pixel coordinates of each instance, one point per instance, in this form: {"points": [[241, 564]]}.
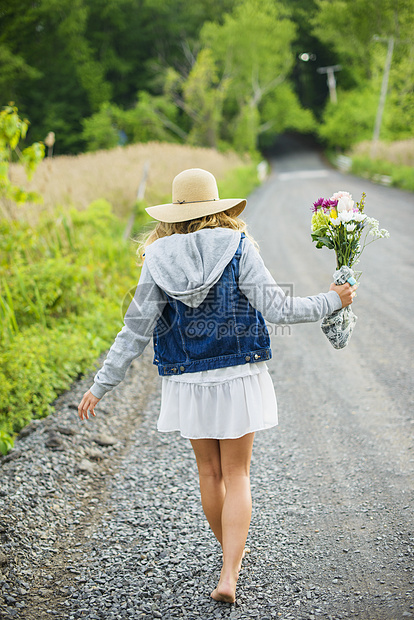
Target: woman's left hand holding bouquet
{"points": [[345, 291], [87, 404]]}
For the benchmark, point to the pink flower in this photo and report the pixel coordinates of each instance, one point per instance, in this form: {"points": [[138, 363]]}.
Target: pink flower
{"points": [[345, 202]]}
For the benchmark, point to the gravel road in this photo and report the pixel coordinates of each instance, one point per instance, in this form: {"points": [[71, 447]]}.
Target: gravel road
{"points": [[102, 519]]}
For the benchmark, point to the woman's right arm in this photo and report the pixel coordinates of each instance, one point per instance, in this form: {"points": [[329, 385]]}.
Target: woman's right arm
{"points": [[140, 319], [260, 288]]}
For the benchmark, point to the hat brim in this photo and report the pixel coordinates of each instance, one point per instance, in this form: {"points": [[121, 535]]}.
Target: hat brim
{"points": [[176, 212]]}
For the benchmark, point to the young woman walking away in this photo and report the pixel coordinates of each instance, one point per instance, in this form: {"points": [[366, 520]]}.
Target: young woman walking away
{"points": [[204, 294]]}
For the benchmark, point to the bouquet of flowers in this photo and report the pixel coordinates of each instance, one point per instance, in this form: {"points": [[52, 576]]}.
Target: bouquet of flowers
{"points": [[340, 224]]}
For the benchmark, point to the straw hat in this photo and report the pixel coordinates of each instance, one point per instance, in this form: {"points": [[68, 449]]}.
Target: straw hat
{"points": [[194, 194]]}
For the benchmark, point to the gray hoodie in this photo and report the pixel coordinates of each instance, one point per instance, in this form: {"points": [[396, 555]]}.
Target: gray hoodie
{"points": [[186, 267]]}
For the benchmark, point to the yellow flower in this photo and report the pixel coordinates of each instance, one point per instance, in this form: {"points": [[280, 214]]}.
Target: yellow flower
{"points": [[334, 214]]}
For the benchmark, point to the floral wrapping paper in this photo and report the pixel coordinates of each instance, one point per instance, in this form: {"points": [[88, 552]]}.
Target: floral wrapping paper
{"points": [[339, 325]]}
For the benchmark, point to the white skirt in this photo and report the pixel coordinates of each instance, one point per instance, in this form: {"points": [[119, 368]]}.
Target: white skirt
{"points": [[224, 403]]}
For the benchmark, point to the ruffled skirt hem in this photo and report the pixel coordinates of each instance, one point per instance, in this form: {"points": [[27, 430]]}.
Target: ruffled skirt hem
{"points": [[254, 430], [226, 410]]}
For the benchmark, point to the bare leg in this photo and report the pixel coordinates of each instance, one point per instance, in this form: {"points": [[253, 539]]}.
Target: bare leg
{"points": [[236, 514], [212, 489]]}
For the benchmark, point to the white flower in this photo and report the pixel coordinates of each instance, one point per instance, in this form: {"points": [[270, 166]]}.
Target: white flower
{"points": [[335, 221], [346, 216], [379, 234], [350, 227], [359, 217], [345, 202], [374, 227]]}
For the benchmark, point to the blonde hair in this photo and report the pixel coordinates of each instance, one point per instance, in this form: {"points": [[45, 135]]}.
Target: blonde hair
{"points": [[222, 219]]}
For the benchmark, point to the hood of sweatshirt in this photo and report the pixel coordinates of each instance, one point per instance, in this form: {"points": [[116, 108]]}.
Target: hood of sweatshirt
{"points": [[187, 266]]}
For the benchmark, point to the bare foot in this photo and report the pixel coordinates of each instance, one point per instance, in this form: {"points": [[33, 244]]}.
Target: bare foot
{"points": [[225, 592], [246, 550], [226, 589]]}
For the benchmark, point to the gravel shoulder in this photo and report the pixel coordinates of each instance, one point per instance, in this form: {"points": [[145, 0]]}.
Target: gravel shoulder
{"points": [[54, 490]]}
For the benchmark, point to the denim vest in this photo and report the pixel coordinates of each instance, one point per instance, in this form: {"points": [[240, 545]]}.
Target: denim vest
{"points": [[224, 330]]}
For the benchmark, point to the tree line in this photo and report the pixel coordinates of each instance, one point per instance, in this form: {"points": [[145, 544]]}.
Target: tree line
{"points": [[221, 73]]}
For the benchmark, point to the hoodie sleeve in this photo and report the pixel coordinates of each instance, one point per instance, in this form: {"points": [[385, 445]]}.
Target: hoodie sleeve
{"points": [[258, 285], [140, 319]]}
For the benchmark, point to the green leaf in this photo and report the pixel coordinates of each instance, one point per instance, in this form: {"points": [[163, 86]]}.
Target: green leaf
{"points": [[324, 241], [320, 232]]}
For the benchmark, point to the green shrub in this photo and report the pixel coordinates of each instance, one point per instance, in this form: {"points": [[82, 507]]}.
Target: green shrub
{"points": [[100, 131], [239, 182], [44, 272], [39, 364], [61, 290], [350, 120], [401, 176], [6, 443], [146, 121]]}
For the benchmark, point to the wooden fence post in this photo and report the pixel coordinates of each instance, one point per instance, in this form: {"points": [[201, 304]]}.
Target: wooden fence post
{"points": [[140, 196]]}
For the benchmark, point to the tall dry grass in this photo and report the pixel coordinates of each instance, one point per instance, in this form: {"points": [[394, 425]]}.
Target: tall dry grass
{"points": [[400, 152], [115, 175]]}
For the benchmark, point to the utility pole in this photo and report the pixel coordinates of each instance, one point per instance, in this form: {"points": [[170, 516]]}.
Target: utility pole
{"points": [[330, 75], [383, 95]]}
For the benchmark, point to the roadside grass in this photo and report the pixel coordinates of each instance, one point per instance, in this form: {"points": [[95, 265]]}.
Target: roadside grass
{"points": [[65, 276], [61, 287], [239, 182], [115, 176], [393, 163], [400, 152], [378, 170]]}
